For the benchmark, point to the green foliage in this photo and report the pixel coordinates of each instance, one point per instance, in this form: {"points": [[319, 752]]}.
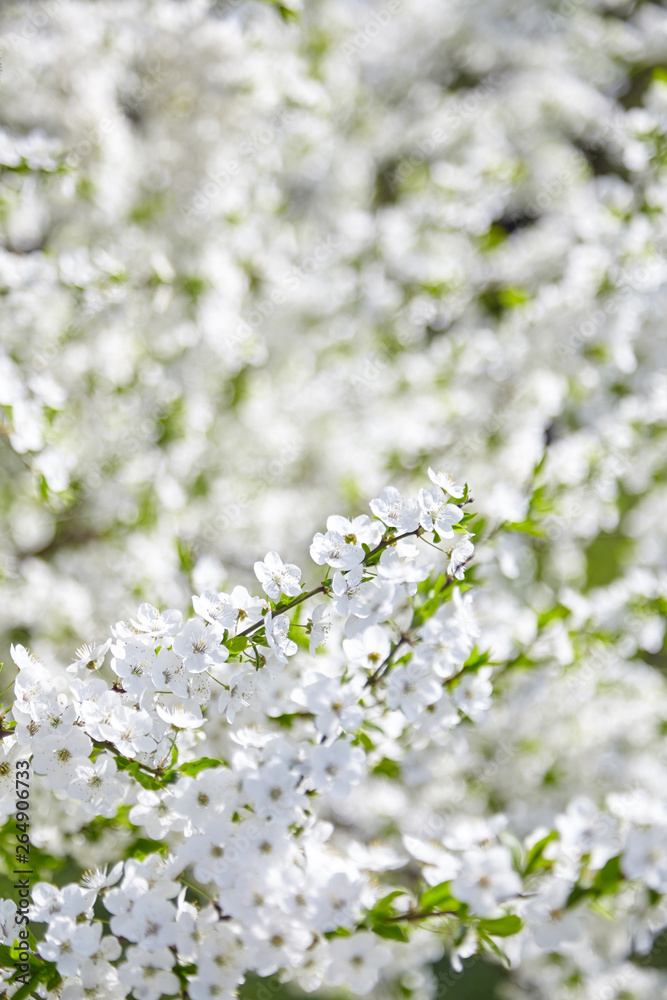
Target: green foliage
{"points": [[193, 767], [389, 768], [382, 918], [526, 527], [143, 846], [171, 422], [96, 828], [437, 592], [502, 926], [134, 770], [607, 881], [606, 558], [28, 988], [237, 644], [439, 897], [534, 858]]}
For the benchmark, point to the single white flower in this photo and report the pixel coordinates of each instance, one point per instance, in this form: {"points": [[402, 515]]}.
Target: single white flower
{"points": [[320, 626], [436, 514], [473, 694], [394, 511], [216, 608], [200, 646], [333, 549], [277, 577], [157, 623], [361, 530], [459, 558], [276, 628], [368, 649], [486, 879], [446, 483], [357, 961]]}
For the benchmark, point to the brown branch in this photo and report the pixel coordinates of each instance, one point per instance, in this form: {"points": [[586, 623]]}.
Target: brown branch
{"points": [[416, 915]]}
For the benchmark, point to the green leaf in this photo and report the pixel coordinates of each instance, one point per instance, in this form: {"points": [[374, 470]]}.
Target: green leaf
{"points": [[27, 988], [606, 881], [553, 614], [95, 828], [394, 931], [143, 846], [534, 859], [429, 608], [525, 528], [185, 556], [193, 767], [384, 908], [503, 926], [339, 932], [55, 980], [602, 911], [609, 877], [514, 296], [365, 740], [578, 892], [183, 971], [475, 661], [143, 779], [439, 897], [237, 645], [6, 957], [286, 720], [372, 560], [390, 768], [287, 13], [492, 946], [480, 525]]}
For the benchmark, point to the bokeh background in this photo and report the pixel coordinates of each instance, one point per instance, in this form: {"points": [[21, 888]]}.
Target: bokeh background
{"points": [[260, 260]]}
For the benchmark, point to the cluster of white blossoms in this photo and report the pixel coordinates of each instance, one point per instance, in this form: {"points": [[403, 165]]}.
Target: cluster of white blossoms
{"points": [[253, 863], [254, 267]]}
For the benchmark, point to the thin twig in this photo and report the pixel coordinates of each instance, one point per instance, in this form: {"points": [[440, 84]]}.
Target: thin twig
{"points": [[416, 915], [284, 607], [375, 677]]}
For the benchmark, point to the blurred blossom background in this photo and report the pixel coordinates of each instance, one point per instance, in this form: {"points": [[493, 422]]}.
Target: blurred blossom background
{"points": [[260, 260]]}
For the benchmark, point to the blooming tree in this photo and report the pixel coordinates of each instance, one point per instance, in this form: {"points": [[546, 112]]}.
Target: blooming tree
{"points": [[258, 262]]}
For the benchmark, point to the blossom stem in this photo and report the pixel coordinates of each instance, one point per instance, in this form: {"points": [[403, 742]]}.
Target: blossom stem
{"points": [[375, 677], [417, 915], [285, 607], [110, 748], [209, 674], [198, 889], [390, 541], [4, 690]]}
